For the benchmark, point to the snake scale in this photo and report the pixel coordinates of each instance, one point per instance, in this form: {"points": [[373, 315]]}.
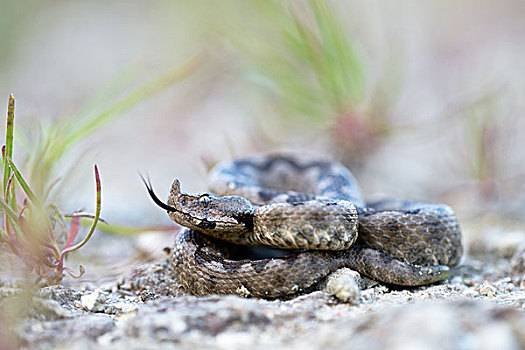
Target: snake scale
{"points": [[314, 210]]}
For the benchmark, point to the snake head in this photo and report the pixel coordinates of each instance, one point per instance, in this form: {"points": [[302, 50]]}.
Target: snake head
{"points": [[206, 211]]}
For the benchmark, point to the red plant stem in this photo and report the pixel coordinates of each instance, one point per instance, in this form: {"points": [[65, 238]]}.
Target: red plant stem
{"points": [[74, 225]]}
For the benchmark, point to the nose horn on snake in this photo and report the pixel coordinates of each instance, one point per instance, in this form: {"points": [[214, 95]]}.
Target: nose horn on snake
{"points": [[175, 187]]}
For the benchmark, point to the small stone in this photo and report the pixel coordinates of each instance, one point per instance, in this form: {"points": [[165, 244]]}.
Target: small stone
{"points": [[147, 294], [470, 292], [93, 301], [487, 289], [469, 282], [504, 286], [344, 285]]}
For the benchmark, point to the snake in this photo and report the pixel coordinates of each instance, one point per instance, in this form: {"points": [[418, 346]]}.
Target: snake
{"points": [[310, 216]]}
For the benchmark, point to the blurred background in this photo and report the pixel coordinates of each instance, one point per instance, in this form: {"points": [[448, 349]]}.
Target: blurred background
{"points": [[419, 100]]}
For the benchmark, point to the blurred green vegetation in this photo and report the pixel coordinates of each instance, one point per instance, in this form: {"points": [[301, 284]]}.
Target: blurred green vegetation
{"points": [[310, 70], [313, 72], [32, 226], [34, 231], [62, 136], [488, 131], [313, 65]]}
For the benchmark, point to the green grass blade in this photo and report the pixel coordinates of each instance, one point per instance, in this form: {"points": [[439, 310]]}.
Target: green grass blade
{"points": [[11, 214], [3, 234], [7, 151], [129, 231], [65, 135], [121, 80], [22, 182], [95, 220], [37, 205], [342, 67], [139, 95], [12, 220], [10, 123]]}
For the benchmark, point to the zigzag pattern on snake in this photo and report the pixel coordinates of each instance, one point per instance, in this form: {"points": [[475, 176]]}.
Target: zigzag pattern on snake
{"points": [[314, 210]]}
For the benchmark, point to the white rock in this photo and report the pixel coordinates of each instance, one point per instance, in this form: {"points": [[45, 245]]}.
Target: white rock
{"points": [[344, 285], [89, 301]]}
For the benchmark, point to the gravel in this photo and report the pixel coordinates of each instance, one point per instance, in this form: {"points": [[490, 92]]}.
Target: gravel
{"points": [[482, 306]]}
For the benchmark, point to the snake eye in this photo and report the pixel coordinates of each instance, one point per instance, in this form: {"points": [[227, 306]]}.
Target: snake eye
{"points": [[183, 201], [204, 201]]}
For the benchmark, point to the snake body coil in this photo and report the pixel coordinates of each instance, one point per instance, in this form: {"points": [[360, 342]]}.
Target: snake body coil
{"points": [[315, 210]]}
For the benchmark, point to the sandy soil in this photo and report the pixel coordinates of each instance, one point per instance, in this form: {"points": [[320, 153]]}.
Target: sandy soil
{"points": [[482, 306]]}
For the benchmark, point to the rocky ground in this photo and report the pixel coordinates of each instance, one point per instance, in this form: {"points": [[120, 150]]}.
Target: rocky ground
{"points": [[482, 306]]}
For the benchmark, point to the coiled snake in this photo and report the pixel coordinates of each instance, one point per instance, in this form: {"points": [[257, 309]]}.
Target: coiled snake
{"points": [[315, 210]]}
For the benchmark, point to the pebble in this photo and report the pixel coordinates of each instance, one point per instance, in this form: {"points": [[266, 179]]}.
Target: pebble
{"points": [[487, 289], [147, 294], [93, 301], [470, 292], [344, 285]]}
